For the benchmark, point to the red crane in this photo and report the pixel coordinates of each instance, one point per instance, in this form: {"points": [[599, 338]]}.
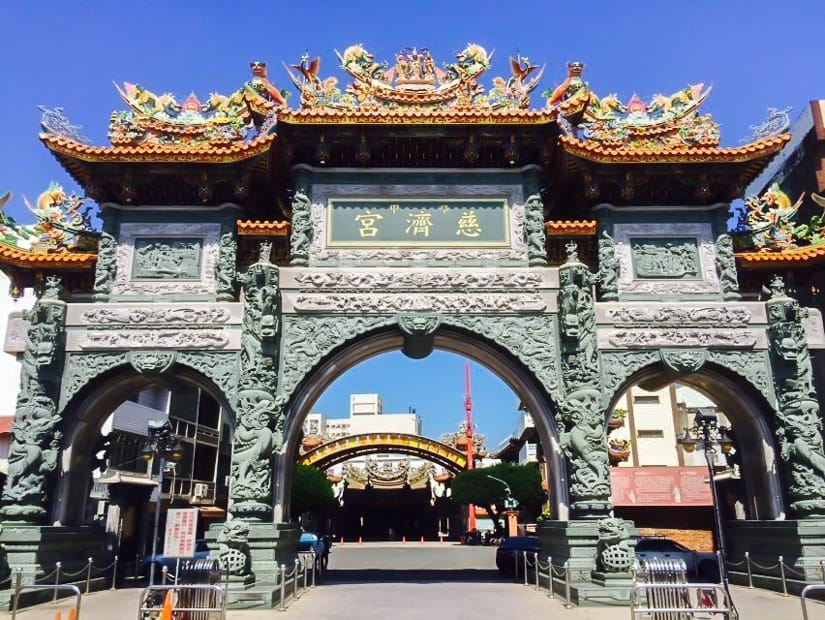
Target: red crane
{"points": [[468, 434]]}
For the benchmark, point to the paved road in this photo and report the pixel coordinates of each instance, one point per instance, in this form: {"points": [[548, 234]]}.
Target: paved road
{"points": [[431, 581]]}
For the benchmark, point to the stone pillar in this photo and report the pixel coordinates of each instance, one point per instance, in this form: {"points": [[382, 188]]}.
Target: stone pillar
{"points": [[597, 547]]}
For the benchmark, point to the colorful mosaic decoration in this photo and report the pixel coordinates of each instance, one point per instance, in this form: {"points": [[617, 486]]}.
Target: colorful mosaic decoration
{"points": [[769, 221], [665, 121], [414, 81]]}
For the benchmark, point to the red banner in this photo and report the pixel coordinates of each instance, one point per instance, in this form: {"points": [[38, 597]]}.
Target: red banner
{"points": [[660, 486]]}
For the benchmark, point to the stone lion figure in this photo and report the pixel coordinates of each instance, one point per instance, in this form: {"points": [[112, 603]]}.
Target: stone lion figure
{"points": [[234, 548]]}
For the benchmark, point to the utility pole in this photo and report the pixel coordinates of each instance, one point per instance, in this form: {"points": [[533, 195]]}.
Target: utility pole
{"points": [[468, 434]]}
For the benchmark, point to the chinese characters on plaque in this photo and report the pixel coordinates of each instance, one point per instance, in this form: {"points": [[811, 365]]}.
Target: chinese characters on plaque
{"points": [[482, 222]]}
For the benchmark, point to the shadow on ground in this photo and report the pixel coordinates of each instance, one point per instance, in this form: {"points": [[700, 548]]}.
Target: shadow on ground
{"points": [[382, 575]]}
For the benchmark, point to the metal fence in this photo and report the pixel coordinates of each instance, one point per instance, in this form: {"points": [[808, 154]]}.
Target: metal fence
{"points": [[803, 597], [661, 592], [188, 602], [781, 567], [19, 589], [533, 570]]}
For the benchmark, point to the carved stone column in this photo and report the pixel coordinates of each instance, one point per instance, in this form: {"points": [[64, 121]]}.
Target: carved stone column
{"points": [[106, 260], [35, 439], [581, 423], [259, 413], [301, 229], [799, 424], [225, 266]]}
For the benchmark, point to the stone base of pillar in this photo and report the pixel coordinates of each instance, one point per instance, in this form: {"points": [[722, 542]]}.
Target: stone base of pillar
{"points": [[270, 546], [35, 550], [801, 543], [576, 542]]}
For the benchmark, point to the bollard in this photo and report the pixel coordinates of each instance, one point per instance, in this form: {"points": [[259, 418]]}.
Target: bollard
{"points": [[525, 567], [114, 574], [536, 559], [441, 539], [720, 563], [782, 574], [306, 576], [56, 579], [88, 575], [403, 540], [750, 573], [822, 568], [567, 603], [18, 585], [164, 573], [515, 557], [295, 583], [361, 540], [283, 587], [422, 540], [316, 566], [550, 575]]}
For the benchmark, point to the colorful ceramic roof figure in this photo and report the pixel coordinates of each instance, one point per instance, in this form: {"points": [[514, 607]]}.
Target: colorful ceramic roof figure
{"points": [[219, 121], [413, 82]]}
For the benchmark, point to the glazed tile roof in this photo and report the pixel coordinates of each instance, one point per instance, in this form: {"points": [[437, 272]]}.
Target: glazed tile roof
{"points": [[566, 228], [810, 254], [598, 152], [238, 151], [440, 116], [19, 257], [248, 228]]}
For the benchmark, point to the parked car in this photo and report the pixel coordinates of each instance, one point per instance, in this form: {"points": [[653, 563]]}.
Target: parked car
{"points": [[171, 563], [310, 541], [698, 563], [512, 548]]}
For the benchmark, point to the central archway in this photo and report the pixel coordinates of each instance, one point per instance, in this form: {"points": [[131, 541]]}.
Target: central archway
{"points": [[521, 380]]}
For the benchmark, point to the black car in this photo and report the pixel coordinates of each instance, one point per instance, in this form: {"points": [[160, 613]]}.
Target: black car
{"points": [[512, 549]]}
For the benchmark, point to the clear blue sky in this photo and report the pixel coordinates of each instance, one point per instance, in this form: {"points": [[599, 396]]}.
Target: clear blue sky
{"points": [[756, 54]]}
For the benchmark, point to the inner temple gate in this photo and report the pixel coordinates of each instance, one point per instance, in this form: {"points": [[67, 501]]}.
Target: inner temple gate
{"points": [[256, 251]]}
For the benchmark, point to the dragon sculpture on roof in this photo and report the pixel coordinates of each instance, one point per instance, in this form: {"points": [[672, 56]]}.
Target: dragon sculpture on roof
{"points": [[413, 81], [769, 221]]}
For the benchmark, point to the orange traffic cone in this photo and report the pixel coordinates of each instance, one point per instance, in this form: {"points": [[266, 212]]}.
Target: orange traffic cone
{"points": [[441, 539], [422, 540], [360, 540], [166, 611], [72, 615], [342, 540], [58, 615], [404, 540]]}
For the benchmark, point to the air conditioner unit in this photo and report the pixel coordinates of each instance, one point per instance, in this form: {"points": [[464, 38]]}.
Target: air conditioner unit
{"points": [[200, 490]]}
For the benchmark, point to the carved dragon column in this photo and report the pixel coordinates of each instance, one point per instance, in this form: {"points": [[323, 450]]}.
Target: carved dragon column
{"points": [[258, 431], [35, 437], [583, 437], [799, 424]]}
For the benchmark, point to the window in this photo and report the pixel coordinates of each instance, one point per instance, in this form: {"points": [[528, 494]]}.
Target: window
{"points": [[654, 433], [645, 399]]}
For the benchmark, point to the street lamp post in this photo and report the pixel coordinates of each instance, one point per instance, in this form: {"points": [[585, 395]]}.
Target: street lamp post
{"points": [[161, 442], [706, 434]]}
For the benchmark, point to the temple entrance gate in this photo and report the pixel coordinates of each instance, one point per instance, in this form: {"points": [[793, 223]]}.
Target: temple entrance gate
{"points": [[267, 268]]}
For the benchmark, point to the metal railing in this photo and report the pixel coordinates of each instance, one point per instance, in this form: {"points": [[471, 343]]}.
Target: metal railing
{"points": [[188, 602], [803, 597], [18, 589], [678, 601], [555, 574], [293, 578], [783, 568]]}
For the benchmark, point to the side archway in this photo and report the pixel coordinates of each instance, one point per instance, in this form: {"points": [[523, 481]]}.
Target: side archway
{"points": [[530, 389], [749, 412], [85, 413]]}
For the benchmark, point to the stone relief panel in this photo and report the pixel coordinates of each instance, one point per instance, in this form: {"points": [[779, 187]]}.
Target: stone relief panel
{"points": [[305, 340], [81, 368], [118, 315], [652, 256], [619, 366], [417, 280], [153, 339], [319, 251], [648, 338], [682, 315], [753, 366], [221, 367], [531, 339], [166, 258], [418, 302]]}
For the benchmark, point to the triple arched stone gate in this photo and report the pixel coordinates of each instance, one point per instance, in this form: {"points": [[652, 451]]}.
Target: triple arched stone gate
{"points": [[568, 339]]}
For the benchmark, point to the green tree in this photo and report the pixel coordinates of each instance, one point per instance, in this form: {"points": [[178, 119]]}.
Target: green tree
{"points": [[477, 487], [310, 489]]}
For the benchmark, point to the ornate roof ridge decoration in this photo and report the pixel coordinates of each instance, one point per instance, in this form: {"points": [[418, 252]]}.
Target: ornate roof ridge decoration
{"points": [[768, 231], [567, 228], [63, 227], [248, 228], [160, 120], [413, 82], [668, 125], [598, 152], [777, 122]]}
